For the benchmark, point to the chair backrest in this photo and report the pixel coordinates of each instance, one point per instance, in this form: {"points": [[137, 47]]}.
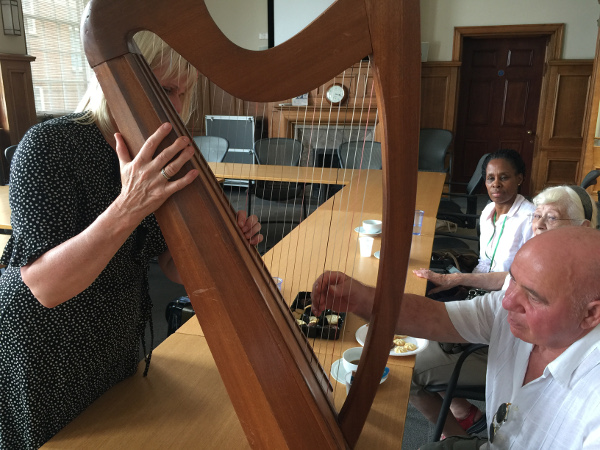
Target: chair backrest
{"points": [[477, 178], [8, 155], [213, 148], [433, 147], [360, 155], [590, 178], [278, 151]]}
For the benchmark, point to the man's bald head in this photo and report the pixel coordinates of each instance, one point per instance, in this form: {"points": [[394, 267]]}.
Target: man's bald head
{"points": [[569, 255]]}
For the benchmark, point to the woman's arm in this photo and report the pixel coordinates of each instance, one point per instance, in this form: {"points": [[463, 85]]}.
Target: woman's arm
{"points": [[491, 281], [249, 225], [69, 268]]}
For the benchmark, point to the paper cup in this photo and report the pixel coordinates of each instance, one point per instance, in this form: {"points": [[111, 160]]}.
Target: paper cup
{"points": [[366, 245]]}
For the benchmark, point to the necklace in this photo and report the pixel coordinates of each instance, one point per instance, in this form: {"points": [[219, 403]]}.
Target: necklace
{"points": [[492, 238]]}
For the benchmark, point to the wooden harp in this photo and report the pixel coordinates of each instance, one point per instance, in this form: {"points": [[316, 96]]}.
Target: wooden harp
{"points": [[246, 322]]}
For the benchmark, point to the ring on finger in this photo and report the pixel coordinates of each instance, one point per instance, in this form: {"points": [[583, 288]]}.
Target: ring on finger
{"points": [[164, 174]]}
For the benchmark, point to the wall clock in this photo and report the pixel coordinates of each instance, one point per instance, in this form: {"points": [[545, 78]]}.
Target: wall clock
{"points": [[336, 94]]}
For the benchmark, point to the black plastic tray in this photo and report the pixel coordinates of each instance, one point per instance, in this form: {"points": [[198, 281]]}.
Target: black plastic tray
{"points": [[321, 328]]}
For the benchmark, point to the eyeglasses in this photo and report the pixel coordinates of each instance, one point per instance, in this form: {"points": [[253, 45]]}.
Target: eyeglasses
{"points": [[499, 418], [550, 220]]}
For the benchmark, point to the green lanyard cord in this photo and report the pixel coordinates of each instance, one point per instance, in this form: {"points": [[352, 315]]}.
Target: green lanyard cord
{"points": [[492, 238]]}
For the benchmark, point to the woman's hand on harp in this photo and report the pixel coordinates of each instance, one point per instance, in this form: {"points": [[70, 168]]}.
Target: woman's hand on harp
{"points": [[146, 182], [250, 226], [339, 292]]}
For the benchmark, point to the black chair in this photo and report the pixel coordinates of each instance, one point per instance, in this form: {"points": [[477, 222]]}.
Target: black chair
{"points": [[450, 210], [590, 180], [213, 148], [433, 147], [279, 152], [360, 155], [453, 391], [8, 155]]}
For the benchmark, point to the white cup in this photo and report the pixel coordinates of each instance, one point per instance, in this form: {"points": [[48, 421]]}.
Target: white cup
{"points": [[371, 226], [350, 358], [418, 222], [366, 245]]}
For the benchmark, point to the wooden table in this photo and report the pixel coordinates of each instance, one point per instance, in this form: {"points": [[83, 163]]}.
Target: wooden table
{"points": [[183, 402], [4, 209]]}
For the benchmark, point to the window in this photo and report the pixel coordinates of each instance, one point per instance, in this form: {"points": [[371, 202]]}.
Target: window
{"points": [[60, 72]]}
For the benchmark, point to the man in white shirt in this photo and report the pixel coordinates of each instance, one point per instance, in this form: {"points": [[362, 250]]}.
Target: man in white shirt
{"points": [[544, 356]]}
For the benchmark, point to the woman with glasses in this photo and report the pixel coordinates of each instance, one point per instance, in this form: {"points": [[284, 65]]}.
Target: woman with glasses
{"points": [[555, 207]]}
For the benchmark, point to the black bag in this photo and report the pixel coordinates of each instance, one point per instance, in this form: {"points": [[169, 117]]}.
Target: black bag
{"points": [[178, 312], [450, 347], [463, 259]]}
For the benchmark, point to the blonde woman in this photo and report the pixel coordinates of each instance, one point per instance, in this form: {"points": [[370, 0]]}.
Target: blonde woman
{"points": [[74, 299]]}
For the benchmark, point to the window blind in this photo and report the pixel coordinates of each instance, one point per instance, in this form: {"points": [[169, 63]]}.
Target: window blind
{"points": [[60, 72]]}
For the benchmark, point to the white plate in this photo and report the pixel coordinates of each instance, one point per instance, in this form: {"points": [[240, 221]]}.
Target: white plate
{"points": [[362, 231], [338, 371], [376, 254], [361, 336]]}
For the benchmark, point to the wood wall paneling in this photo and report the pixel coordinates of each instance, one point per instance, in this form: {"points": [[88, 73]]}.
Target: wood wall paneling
{"points": [[564, 121], [562, 112], [17, 104], [439, 81], [590, 154]]}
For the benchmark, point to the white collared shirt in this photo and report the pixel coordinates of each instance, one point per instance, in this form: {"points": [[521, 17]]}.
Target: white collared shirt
{"points": [[511, 231], [558, 410]]}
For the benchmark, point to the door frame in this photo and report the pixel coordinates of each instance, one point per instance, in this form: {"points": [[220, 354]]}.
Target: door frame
{"points": [[555, 34]]}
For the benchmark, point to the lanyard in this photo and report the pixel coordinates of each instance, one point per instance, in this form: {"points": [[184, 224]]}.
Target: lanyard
{"points": [[492, 238]]}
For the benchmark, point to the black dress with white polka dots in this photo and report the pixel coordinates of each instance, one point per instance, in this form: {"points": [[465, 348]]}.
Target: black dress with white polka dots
{"points": [[55, 362]]}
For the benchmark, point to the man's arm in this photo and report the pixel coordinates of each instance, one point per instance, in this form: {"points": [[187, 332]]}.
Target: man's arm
{"points": [[426, 318], [491, 281], [419, 316]]}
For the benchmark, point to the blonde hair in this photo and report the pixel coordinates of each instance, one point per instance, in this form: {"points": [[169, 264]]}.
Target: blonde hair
{"points": [[158, 55], [566, 197]]}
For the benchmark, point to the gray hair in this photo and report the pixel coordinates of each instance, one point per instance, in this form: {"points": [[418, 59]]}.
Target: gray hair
{"points": [[569, 200], [158, 55]]}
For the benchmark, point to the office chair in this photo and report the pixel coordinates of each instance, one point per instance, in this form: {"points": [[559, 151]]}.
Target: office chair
{"points": [[360, 155], [279, 152], [433, 147], [590, 180], [8, 155], [452, 211], [453, 391], [213, 148]]}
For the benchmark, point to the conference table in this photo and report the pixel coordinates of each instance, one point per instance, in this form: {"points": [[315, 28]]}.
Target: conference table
{"points": [[182, 403], [4, 209]]}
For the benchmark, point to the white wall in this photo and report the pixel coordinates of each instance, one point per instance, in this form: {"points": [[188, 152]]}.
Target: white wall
{"points": [[291, 16], [13, 44], [439, 17], [241, 21]]}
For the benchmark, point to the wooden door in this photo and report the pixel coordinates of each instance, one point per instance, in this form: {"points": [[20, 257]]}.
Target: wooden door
{"points": [[499, 97]]}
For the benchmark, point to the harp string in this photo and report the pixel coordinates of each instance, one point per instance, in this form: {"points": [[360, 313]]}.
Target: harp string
{"points": [[333, 124]]}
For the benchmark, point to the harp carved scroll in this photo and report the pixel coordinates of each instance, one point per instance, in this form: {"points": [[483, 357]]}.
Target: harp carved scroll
{"points": [[246, 322]]}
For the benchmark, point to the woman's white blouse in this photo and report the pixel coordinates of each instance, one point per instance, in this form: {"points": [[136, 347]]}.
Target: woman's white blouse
{"points": [[512, 230]]}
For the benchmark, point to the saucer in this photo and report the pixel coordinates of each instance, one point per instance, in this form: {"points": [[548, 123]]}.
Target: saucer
{"points": [[376, 254], [338, 371], [361, 337], [361, 230]]}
